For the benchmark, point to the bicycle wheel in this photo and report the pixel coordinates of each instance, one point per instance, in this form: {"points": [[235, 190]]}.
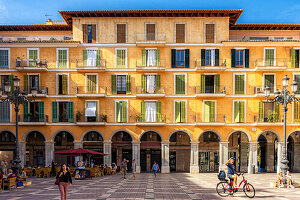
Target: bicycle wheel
{"points": [[249, 190], [223, 189]]}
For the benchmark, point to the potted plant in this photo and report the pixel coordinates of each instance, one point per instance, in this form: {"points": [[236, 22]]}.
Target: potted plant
{"points": [[104, 118], [138, 118]]}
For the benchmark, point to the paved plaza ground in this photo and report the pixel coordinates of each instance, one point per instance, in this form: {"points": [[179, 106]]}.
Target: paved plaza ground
{"points": [[165, 186]]}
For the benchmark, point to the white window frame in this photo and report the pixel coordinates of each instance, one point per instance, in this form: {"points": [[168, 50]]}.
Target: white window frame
{"points": [[58, 85], [116, 100], [8, 49], [33, 74], [215, 34], [146, 30], [38, 54], [96, 31], [241, 49], [174, 83], [57, 57], [117, 57], [245, 83], [86, 81], [184, 31], [97, 106], [204, 110], [186, 105], [274, 48], [274, 74], [116, 32], [245, 101]]}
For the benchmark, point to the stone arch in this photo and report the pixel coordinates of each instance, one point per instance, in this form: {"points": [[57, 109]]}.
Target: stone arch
{"points": [[91, 130], [62, 130], [32, 130], [209, 130], [248, 135], [6, 130], [290, 133], [180, 130], [269, 130], [120, 130], [150, 130]]}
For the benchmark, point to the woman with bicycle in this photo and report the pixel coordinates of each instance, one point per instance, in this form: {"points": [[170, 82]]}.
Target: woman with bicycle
{"points": [[230, 171]]}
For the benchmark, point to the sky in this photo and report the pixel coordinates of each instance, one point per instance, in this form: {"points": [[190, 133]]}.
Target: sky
{"points": [[255, 11]]}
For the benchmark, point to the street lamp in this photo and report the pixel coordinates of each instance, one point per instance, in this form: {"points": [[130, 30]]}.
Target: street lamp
{"points": [[16, 97], [284, 97]]}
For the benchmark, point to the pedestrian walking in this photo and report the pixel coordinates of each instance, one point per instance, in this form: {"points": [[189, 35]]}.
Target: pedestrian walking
{"points": [[133, 169], [155, 168], [124, 168], [65, 179], [53, 170]]}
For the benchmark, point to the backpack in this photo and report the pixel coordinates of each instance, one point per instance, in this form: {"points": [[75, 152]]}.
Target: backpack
{"points": [[222, 175]]}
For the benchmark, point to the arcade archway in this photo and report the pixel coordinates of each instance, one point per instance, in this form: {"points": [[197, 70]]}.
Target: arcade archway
{"points": [[93, 140], [63, 141], [35, 149]]}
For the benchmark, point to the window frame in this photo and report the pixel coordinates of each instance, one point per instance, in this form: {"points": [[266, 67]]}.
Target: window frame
{"points": [[245, 83], [57, 57], [174, 83], [8, 57], [57, 86], [274, 74], [116, 58], [215, 33], [97, 107], [115, 102], [86, 85], [175, 30], [245, 102], [204, 111], [116, 32], [38, 54], [264, 60], [174, 117], [10, 114], [155, 35]]}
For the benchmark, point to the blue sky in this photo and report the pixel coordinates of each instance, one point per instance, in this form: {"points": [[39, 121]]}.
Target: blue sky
{"points": [[256, 11]]}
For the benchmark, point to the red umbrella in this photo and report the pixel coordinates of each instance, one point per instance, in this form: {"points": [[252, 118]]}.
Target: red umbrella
{"points": [[80, 151]]}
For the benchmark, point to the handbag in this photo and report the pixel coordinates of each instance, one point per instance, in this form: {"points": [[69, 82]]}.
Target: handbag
{"points": [[57, 182]]}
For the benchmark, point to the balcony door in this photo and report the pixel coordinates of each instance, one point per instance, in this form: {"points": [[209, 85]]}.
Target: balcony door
{"points": [[150, 112], [150, 32]]}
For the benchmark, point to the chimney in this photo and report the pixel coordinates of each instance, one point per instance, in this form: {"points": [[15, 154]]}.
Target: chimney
{"points": [[49, 22]]}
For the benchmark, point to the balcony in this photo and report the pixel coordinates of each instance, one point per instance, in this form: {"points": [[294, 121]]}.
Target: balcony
{"points": [[30, 65], [98, 120], [210, 91], [215, 120], [141, 92], [151, 39], [263, 38], [259, 90], [85, 91], [51, 38], [91, 65], [209, 67], [33, 120], [156, 67], [147, 120], [271, 119], [278, 64]]}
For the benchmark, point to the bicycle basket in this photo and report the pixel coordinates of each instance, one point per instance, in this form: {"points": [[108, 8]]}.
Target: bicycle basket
{"points": [[222, 175]]}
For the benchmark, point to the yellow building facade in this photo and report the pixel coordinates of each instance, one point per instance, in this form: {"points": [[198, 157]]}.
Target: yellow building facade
{"points": [[184, 88]]}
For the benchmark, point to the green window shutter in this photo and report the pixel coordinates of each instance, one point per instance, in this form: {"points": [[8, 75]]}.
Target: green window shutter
{"points": [[33, 56], [157, 83], [242, 84], [187, 58], [296, 111], [64, 84], [232, 58], [143, 111], [269, 57], [202, 57], [212, 112], [128, 84], [217, 57], [246, 58], [177, 84], [70, 111], [54, 112], [98, 58], [182, 111], [293, 58], [158, 111], [207, 111], [217, 83], [118, 111], [260, 111], [202, 84], [62, 59], [89, 83], [84, 53], [41, 111], [173, 58], [177, 111], [276, 109], [269, 81], [26, 83], [11, 82], [124, 111], [180, 84], [236, 111], [183, 84], [121, 58], [25, 111], [157, 57], [237, 84], [242, 111], [113, 84], [144, 57], [144, 83]]}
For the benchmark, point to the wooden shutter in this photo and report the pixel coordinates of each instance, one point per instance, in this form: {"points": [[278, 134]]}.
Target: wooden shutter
{"points": [[150, 31], [260, 111], [202, 84], [144, 57], [144, 83], [212, 117], [180, 33], [26, 88], [128, 84], [236, 111], [232, 58], [182, 111], [206, 111], [84, 54], [121, 58], [158, 111], [98, 58], [293, 58], [177, 111], [143, 111], [94, 31], [124, 111], [157, 57], [296, 112], [41, 111], [246, 58], [25, 112], [269, 57], [118, 111], [85, 33], [187, 58], [177, 84], [210, 33], [180, 84], [217, 60], [33, 56], [54, 112], [202, 57], [242, 111], [157, 83], [113, 84], [64, 84], [173, 58], [276, 110], [121, 33], [217, 83], [70, 111]]}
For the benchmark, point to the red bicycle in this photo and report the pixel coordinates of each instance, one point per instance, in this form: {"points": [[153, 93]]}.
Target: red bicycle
{"points": [[225, 188]]}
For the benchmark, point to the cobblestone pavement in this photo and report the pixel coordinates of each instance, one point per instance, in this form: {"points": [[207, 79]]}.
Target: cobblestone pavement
{"points": [[165, 186]]}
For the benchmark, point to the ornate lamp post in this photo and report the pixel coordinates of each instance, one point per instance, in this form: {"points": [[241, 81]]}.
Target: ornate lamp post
{"points": [[284, 97], [16, 97]]}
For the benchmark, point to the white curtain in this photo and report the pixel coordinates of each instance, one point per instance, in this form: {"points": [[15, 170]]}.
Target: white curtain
{"points": [[150, 57], [91, 58], [150, 111], [90, 110], [150, 83], [212, 57]]}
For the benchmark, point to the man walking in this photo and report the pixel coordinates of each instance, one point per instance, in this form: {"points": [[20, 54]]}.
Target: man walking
{"points": [[155, 168], [124, 168]]}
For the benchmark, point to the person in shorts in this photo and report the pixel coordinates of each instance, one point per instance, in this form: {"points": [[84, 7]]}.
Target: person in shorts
{"points": [[155, 168], [124, 168], [231, 172]]}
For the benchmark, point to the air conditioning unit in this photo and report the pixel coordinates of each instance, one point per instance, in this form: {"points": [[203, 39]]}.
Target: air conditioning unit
{"points": [[258, 90]]}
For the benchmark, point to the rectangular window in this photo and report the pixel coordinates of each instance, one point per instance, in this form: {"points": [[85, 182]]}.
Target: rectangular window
{"points": [[210, 33], [91, 111], [297, 79], [239, 111], [180, 58], [121, 111], [268, 112], [121, 84], [62, 58], [4, 59], [91, 58], [150, 31], [180, 33], [63, 111], [90, 33], [208, 58], [33, 56], [4, 112], [33, 81], [269, 57], [180, 84], [150, 84], [121, 33], [63, 84], [150, 114], [4, 79], [91, 81], [150, 57], [121, 58], [239, 59], [180, 111], [209, 111], [239, 81], [33, 112], [269, 80], [296, 111], [210, 83]]}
